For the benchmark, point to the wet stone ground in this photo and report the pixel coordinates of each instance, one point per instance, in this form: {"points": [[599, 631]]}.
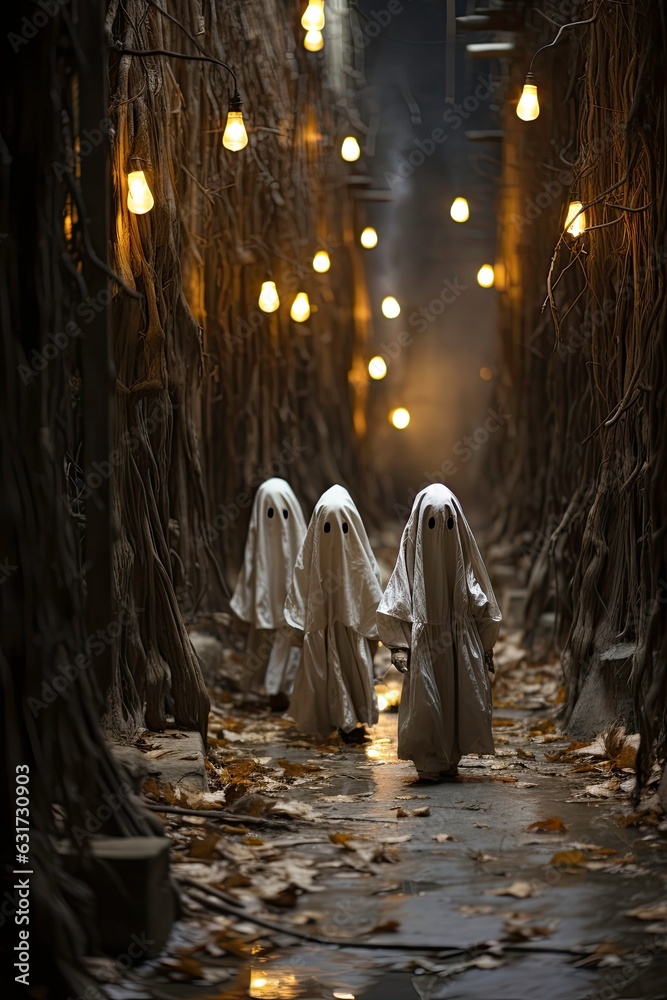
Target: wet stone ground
{"points": [[529, 876]]}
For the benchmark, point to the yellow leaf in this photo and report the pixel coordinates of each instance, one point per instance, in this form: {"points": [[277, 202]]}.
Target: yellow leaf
{"points": [[340, 838]]}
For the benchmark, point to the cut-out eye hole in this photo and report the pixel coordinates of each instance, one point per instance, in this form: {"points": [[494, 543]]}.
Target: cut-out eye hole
{"points": [[327, 527], [269, 512], [431, 522], [450, 522], [345, 527], [285, 514]]}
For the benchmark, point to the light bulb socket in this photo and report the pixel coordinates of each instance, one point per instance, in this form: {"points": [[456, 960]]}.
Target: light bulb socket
{"points": [[235, 102], [530, 78]]}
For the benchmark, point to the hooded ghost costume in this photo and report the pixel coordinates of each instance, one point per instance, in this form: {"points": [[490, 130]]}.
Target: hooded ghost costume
{"points": [[332, 602], [277, 529], [439, 605]]}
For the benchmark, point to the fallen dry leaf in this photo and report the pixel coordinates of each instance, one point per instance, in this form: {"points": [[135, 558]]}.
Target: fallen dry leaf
{"points": [[520, 890], [552, 825], [441, 838], [388, 927], [340, 838], [567, 859], [401, 813], [294, 770], [480, 856], [422, 811], [658, 912], [525, 754]]}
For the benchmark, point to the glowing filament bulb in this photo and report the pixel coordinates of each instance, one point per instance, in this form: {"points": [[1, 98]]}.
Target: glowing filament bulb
{"points": [[400, 418], [321, 262], [459, 210], [268, 300], [300, 310], [139, 197], [235, 136], [314, 41], [313, 17], [575, 223], [369, 238], [377, 367], [485, 276], [350, 150], [390, 307], [528, 107]]}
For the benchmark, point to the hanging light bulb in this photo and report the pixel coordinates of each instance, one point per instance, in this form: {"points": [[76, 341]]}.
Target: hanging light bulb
{"points": [[400, 418], [235, 136], [313, 17], [321, 262], [369, 238], [300, 310], [268, 300], [139, 197], [350, 150], [460, 211], [575, 223], [390, 307], [528, 108], [314, 41], [377, 367], [486, 276]]}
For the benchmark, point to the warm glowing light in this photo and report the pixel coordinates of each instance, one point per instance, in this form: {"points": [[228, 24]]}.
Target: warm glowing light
{"points": [[390, 307], [350, 150], [321, 262], [343, 996], [528, 107], [268, 297], [400, 418], [235, 136], [313, 18], [459, 210], [314, 41], [383, 701], [369, 238], [266, 984], [575, 222], [486, 374], [485, 276], [377, 367], [300, 310], [139, 197]]}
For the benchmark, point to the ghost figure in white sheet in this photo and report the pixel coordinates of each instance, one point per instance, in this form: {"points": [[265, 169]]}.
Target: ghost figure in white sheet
{"points": [[332, 605], [276, 532], [439, 606]]}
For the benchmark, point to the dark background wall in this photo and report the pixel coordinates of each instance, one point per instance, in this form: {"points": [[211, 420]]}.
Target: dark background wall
{"points": [[423, 255]]}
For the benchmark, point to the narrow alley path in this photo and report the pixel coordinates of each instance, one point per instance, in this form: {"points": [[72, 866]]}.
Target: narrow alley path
{"points": [[530, 875]]}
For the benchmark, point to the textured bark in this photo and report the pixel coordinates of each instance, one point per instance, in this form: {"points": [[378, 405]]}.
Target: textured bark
{"points": [[585, 331], [234, 395], [51, 665]]}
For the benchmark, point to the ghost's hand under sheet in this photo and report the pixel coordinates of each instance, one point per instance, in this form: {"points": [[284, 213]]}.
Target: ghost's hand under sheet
{"points": [[400, 658], [488, 660]]}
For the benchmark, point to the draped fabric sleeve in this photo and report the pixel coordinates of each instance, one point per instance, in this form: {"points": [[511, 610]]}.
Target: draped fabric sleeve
{"points": [[395, 613], [485, 611], [393, 632]]}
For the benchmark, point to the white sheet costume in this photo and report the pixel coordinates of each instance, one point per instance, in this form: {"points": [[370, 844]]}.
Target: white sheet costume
{"points": [[276, 532], [439, 605], [332, 603]]}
